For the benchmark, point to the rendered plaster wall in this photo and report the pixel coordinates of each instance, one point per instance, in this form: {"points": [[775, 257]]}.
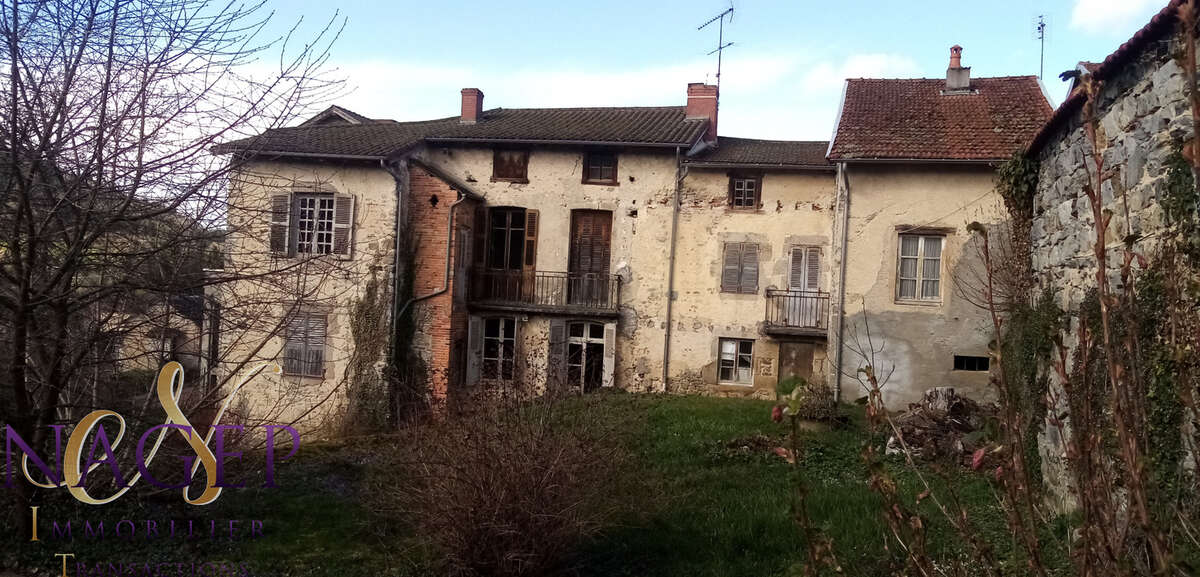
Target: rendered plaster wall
{"points": [[796, 210], [918, 340], [641, 211], [255, 309]]}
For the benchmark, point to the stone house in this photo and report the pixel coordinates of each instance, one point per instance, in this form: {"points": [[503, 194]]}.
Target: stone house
{"points": [[916, 161], [1144, 115], [596, 247], [628, 247]]}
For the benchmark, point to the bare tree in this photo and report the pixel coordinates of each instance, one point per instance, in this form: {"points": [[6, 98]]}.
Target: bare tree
{"points": [[111, 202]]}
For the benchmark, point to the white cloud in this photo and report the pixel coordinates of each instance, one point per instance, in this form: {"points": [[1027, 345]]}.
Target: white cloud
{"points": [[1109, 16], [829, 75]]}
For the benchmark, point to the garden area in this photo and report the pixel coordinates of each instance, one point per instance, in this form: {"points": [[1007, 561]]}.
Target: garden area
{"points": [[661, 485]]}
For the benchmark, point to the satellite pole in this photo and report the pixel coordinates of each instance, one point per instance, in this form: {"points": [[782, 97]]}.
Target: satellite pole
{"points": [[1041, 33], [721, 44]]}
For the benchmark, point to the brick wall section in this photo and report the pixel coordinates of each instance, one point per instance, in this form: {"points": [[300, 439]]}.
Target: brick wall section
{"points": [[441, 320]]}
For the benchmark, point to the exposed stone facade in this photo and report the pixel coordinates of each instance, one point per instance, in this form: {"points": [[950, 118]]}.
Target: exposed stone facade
{"points": [[1143, 116]]}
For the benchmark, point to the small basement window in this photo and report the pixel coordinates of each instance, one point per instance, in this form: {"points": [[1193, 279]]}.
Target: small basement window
{"points": [[965, 363]]}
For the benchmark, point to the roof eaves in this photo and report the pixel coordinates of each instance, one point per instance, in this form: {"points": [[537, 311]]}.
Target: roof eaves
{"points": [[761, 165]]}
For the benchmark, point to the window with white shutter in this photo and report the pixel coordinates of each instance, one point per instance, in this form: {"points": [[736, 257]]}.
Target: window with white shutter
{"points": [[919, 271], [304, 344], [805, 269]]}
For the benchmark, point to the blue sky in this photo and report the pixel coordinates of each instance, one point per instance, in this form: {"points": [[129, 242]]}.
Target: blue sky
{"points": [[781, 79]]}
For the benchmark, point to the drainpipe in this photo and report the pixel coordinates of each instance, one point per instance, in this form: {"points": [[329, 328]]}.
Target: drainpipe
{"points": [[680, 173], [401, 222], [845, 185]]}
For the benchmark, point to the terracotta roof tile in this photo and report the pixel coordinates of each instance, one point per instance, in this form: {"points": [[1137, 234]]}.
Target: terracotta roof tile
{"points": [[785, 154], [913, 119]]}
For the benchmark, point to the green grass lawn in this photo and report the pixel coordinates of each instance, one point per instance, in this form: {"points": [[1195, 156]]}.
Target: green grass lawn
{"points": [[725, 512]]}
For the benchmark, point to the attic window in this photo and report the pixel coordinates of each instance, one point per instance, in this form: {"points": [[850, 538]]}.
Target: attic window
{"points": [[510, 165], [600, 168]]}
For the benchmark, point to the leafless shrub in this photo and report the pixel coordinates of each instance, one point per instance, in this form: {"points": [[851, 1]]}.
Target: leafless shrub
{"points": [[511, 488]]}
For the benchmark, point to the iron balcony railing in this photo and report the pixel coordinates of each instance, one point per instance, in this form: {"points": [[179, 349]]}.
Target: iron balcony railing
{"points": [[546, 289], [793, 309]]}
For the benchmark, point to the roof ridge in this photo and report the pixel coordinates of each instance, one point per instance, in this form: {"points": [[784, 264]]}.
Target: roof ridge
{"points": [[589, 108]]}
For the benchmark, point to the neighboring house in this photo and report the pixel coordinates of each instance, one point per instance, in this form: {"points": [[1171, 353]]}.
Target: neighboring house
{"points": [[1144, 114], [915, 164]]}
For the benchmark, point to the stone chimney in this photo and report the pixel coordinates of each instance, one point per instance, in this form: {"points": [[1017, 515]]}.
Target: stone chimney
{"points": [[958, 78], [472, 105], [702, 103]]}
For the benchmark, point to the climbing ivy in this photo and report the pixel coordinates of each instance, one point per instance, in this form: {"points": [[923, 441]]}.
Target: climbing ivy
{"points": [[1180, 202], [1027, 344]]}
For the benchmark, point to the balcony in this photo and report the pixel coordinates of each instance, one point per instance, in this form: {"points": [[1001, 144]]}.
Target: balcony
{"points": [[545, 292], [797, 313]]}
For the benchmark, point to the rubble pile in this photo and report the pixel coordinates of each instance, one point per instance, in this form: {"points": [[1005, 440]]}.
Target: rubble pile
{"points": [[943, 425]]}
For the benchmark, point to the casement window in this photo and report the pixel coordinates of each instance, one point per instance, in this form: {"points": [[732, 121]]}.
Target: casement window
{"points": [[805, 267], [582, 354], [739, 271], [919, 272], [600, 168], [967, 363], [312, 223], [510, 165], [736, 362], [304, 344], [499, 348], [744, 192]]}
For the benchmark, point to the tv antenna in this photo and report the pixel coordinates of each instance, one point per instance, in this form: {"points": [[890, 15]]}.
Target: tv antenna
{"points": [[1041, 35], [721, 44]]}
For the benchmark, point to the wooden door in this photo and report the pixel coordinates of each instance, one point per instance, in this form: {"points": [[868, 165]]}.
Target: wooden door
{"points": [[588, 257], [795, 361]]}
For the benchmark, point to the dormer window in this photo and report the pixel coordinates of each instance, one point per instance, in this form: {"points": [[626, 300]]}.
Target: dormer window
{"points": [[600, 168]]}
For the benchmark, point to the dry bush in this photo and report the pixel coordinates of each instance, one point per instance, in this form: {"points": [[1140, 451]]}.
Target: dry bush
{"points": [[511, 488]]}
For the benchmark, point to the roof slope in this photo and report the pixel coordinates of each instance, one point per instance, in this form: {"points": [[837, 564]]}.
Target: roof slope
{"points": [[645, 126], [913, 119], [734, 152], [1162, 24]]}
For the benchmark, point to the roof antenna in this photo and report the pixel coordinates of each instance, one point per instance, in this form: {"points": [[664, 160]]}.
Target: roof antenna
{"points": [[721, 44], [1041, 35]]}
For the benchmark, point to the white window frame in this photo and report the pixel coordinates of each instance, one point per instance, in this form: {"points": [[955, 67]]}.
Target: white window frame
{"points": [[500, 358], [921, 259], [738, 356], [316, 210]]}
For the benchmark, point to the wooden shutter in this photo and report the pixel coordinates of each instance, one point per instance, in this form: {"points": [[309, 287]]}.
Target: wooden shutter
{"points": [[731, 267], [812, 264], [281, 216], [749, 280], [557, 373], [314, 339], [343, 225], [610, 354], [474, 349], [480, 228], [796, 275], [531, 236]]}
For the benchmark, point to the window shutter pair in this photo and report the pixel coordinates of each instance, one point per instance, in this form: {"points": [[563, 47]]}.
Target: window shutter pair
{"points": [[281, 238], [806, 268], [474, 349], [304, 344], [739, 270]]}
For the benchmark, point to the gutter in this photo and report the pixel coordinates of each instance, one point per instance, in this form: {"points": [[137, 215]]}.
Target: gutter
{"points": [[842, 266], [680, 173], [780, 167], [986, 161]]}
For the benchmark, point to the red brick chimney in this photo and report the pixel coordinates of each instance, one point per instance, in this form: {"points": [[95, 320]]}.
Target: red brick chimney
{"points": [[958, 78], [472, 105], [702, 103]]}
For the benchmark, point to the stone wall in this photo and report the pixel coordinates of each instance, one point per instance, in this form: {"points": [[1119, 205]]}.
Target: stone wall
{"points": [[1143, 115]]}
